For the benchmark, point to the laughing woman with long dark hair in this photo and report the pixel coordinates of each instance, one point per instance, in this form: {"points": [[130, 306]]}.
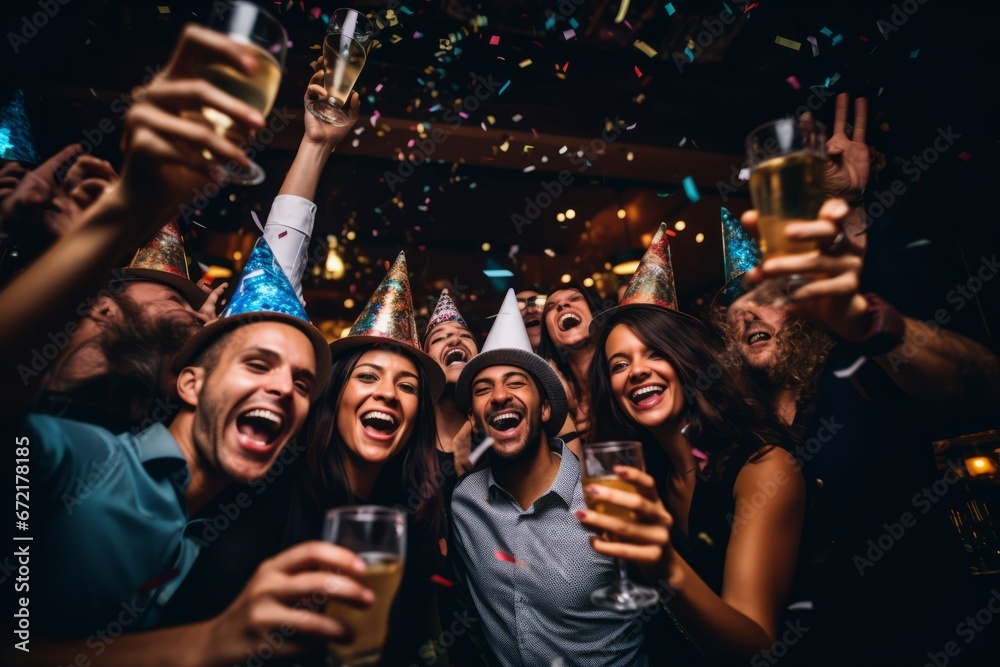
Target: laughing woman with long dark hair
{"points": [[700, 527]]}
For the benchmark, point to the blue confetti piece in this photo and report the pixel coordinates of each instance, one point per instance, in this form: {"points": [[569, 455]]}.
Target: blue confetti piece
{"points": [[326, 19], [574, 23], [838, 38], [435, 108], [504, 87], [914, 53], [417, 35], [550, 22], [371, 99], [421, 81], [663, 194], [690, 189], [827, 32], [406, 10], [670, 9], [689, 53]]}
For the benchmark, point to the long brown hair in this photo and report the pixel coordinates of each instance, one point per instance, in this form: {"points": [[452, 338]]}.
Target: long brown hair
{"points": [[327, 474]]}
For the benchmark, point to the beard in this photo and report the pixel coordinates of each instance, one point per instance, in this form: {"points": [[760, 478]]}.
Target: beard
{"points": [[524, 450]]}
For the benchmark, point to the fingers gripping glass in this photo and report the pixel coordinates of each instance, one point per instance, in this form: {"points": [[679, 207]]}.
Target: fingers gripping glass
{"points": [[345, 50], [261, 36], [599, 461], [378, 536], [788, 165]]}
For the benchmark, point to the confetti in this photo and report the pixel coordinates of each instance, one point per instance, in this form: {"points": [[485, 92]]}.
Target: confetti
{"points": [[787, 43], [826, 31], [524, 63], [638, 72], [914, 53], [494, 40], [505, 557], [837, 39], [815, 45], [517, 118], [684, 140], [163, 9], [378, 88], [794, 82], [529, 169], [504, 87], [550, 252], [670, 9], [441, 581], [645, 48], [253, 214], [690, 189], [569, 34]]}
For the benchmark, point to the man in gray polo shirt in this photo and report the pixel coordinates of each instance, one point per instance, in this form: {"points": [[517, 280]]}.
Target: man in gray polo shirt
{"points": [[524, 565]]}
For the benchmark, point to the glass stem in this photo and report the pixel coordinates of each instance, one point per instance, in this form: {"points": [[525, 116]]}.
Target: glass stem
{"points": [[623, 580]]}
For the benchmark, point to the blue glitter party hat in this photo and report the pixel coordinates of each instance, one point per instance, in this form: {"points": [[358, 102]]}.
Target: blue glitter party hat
{"points": [[740, 254], [16, 140], [264, 287]]}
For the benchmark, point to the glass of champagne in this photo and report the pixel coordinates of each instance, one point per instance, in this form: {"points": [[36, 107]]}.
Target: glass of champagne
{"points": [[261, 36], [378, 536], [787, 159], [599, 461], [345, 49]]}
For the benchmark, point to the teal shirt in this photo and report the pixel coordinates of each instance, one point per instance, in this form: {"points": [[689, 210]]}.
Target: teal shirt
{"points": [[109, 526]]}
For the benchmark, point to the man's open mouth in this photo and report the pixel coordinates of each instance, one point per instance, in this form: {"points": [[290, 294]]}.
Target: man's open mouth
{"points": [[568, 321], [260, 427], [381, 422], [532, 323], [455, 355], [645, 393], [505, 420], [757, 337]]}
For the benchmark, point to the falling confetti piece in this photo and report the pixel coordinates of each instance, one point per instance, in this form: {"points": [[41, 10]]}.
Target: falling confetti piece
{"points": [[417, 35], [815, 45], [517, 118], [622, 10], [378, 88], [670, 9], [163, 9], [689, 53], [745, 174], [504, 87], [529, 169], [750, 6], [794, 82], [787, 43], [569, 34], [253, 214], [684, 140], [441, 581], [706, 538], [663, 194], [632, 126], [826, 31], [690, 189], [550, 22], [645, 48], [550, 252], [837, 39], [524, 63], [914, 53], [505, 557], [494, 40], [638, 72], [565, 67]]}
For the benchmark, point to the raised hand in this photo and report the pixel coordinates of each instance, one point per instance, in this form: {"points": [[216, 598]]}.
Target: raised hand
{"points": [[319, 132], [849, 161]]}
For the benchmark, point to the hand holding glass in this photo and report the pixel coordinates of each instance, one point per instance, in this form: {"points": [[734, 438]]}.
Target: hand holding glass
{"points": [[378, 536], [788, 162], [345, 50], [599, 461], [261, 36]]}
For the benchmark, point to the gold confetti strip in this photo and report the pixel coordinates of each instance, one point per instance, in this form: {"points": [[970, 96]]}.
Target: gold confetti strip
{"points": [[163, 9], [645, 48], [524, 63], [787, 43]]}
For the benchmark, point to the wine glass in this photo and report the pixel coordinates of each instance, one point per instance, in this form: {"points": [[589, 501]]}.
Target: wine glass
{"points": [[787, 158], [378, 536], [262, 37], [599, 461], [345, 49]]}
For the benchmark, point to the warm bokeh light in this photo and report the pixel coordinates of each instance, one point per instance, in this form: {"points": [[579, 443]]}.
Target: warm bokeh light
{"points": [[561, 217], [486, 247], [348, 303], [588, 282], [699, 238], [680, 225], [565, 278], [570, 214], [621, 214]]}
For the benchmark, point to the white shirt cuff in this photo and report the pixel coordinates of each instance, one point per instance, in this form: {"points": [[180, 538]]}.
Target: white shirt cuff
{"points": [[288, 231]]}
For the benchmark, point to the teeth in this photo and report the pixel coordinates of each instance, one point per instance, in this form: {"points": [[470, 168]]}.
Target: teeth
{"points": [[760, 335], [568, 320], [261, 413], [375, 414], [455, 356], [639, 393], [498, 421]]}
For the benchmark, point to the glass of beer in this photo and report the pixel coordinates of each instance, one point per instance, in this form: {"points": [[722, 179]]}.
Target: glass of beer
{"points": [[378, 536], [260, 35], [345, 49], [787, 159], [599, 461]]}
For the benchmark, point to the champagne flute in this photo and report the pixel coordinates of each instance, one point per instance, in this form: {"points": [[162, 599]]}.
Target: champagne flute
{"points": [[378, 536], [345, 50], [787, 158], [262, 37], [599, 461]]}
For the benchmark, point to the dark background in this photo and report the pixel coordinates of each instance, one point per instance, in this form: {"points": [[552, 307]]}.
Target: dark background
{"points": [[933, 70]]}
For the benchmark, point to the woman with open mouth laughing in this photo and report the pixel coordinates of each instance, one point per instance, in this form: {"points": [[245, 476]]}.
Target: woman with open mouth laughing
{"points": [[723, 534]]}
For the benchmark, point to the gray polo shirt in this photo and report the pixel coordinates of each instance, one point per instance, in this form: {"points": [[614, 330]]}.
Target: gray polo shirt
{"points": [[527, 576]]}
